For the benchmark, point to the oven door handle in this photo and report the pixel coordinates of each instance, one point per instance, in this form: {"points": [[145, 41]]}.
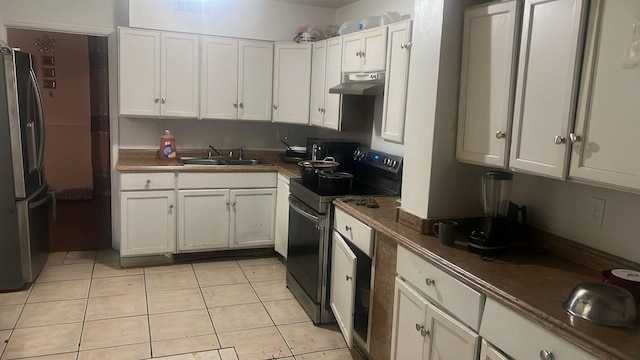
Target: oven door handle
{"points": [[297, 209]]}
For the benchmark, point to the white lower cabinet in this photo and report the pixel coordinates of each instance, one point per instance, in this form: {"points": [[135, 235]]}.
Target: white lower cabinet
{"points": [[343, 286], [488, 352], [148, 222], [521, 338], [282, 216], [204, 220], [212, 219], [423, 331], [252, 217], [226, 210]]}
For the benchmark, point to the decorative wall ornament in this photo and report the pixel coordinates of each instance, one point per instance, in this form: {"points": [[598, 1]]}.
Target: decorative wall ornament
{"points": [[45, 43]]}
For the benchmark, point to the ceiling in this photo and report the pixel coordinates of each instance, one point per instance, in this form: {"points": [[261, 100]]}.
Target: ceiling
{"points": [[334, 4]]}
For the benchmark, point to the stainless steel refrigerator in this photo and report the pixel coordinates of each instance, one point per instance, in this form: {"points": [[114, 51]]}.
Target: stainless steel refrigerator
{"points": [[24, 193]]}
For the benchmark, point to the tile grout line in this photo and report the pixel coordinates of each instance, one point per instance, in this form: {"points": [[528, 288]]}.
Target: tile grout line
{"points": [[86, 307], [24, 304], [269, 314], [207, 307], [146, 299]]}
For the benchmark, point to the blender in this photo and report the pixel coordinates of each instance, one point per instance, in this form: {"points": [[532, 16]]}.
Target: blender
{"points": [[500, 222]]}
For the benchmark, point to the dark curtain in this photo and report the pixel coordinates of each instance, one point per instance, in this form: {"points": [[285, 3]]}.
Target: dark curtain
{"points": [[100, 146]]}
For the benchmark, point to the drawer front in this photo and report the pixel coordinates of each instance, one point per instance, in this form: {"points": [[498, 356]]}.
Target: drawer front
{"points": [[500, 324], [225, 180], [461, 301], [147, 181], [354, 230]]}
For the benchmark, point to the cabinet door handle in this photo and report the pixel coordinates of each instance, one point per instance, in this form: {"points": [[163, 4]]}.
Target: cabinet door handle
{"points": [[349, 277], [546, 355], [323, 110], [164, 99], [275, 107], [233, 204], [424, 332], [171, 207], [156, 99], [363, 54], [430, 282], [500, 134], [228, 203], [558, 140], [574, 138], [235, 105], [319, 109], [358, 53], [406, 46], [347, 228], [241, 105]]}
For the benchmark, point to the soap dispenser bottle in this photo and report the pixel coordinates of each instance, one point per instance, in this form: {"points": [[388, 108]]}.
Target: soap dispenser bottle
{"points": [[167, 146]]}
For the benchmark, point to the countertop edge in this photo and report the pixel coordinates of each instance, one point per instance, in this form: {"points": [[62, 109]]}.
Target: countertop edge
{"points": [[531, 313]]}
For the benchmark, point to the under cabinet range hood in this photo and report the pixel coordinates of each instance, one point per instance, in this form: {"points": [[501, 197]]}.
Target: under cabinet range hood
{"points": [[360, 84]]}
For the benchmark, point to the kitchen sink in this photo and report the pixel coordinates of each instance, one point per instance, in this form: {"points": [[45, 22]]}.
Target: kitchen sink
{"points": [[221, 160], [247, 162]]}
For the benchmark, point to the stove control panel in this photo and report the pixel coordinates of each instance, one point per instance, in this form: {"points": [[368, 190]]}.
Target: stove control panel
{"points": [[378, 159]]}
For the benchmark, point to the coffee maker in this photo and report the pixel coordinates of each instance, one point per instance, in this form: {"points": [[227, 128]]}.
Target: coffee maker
{"points": [[500, 222]]}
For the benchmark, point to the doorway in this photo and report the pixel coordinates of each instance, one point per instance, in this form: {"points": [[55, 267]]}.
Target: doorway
{"points": [[73, 76]]}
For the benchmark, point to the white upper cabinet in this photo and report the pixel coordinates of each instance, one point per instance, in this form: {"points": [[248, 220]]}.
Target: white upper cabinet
{"points": [[255, 80], [139, 70], [318, 66], [607, 149], [179, 81], [236, 79], [397, 79], [292, 83], [326, 72], [545, 102], [365, 51], [219, 89], [333, 77], [158, 73], [487, 83]]}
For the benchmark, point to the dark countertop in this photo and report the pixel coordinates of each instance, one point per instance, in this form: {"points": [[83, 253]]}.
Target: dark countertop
{"points": [[532, 284], [146, 160]]}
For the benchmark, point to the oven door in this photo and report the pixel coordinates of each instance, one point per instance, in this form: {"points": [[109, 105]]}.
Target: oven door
{"points": [[305, 250]]}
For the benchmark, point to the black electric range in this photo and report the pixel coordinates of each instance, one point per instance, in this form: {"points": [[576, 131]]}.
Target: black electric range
{"points": [[310, 221]]}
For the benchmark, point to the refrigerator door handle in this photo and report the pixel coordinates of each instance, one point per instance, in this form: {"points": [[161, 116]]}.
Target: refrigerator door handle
{"points": [[40, 118]]}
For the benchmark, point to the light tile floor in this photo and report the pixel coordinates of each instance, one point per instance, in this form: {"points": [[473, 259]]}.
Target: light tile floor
{"points": [[83, 306]]}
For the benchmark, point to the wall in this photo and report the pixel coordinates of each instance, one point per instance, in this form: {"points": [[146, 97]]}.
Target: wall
{"points": [[435, 185], [67, 108], [421, 105], [139, 133], [362, 8], [254, 19], [562, 208], [67, 15]]}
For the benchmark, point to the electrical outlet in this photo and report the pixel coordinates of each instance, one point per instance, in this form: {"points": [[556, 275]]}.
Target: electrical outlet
{"points": [[596, 211]]}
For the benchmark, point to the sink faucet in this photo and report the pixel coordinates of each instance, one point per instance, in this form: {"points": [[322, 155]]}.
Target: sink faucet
{"points": [[212, 150], [240, 155]]}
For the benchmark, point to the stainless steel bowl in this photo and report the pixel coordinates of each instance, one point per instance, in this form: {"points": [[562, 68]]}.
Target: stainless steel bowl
{"points": [[602, 304]]}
